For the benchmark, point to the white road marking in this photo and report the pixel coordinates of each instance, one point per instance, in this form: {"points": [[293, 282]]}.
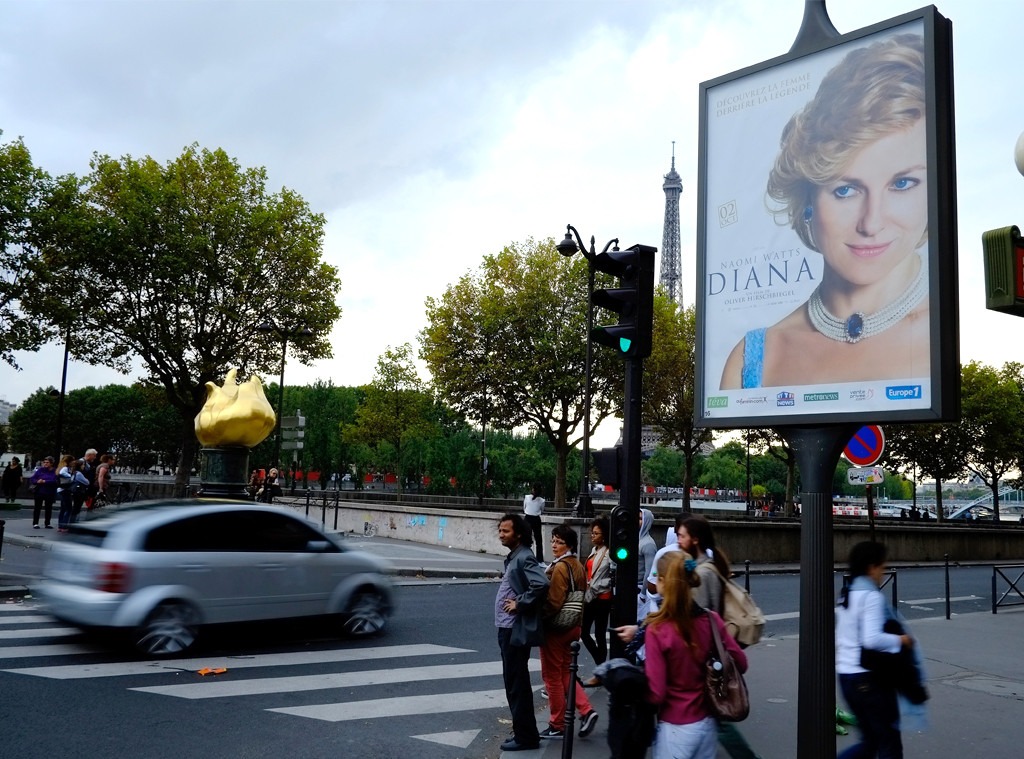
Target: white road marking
{"points": [[210, 688], [58, 649], [400, 707], [39, 632], [917, 601], [119, 669], [25, 619]]}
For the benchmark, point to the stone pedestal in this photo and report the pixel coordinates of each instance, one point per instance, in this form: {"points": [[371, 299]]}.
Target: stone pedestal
{"points": [[224, 473]]}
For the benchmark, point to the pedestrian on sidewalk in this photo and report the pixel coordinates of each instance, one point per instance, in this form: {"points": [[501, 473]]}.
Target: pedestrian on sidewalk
{"points": [[533, 510], [565, 572], [72, 487], [597, 604], [12, 479], [517, 615], [677, 643], [860, 625], [44, 483], [697, 539]]}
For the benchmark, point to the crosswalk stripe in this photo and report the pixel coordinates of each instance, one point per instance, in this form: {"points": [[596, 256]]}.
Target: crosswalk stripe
{"points": [[400, 707], [25, 619], [119, 669], [36, 632], [223, 688], [57, 649]]}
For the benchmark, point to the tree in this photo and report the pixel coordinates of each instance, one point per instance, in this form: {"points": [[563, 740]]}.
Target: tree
{"points": [[669, 377], [725, 468], [938, 450], [506, 345], [993, 406], [666, 467], [178, 265], [396, 410], [772, 443], [24, 190]]}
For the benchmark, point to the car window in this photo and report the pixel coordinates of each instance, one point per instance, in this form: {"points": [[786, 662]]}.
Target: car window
{"points": [[84, 535], [233, 531], [267, 531]]}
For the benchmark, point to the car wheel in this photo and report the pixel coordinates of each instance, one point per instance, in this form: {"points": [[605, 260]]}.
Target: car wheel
{"points": [[367, 614], [170, 629]]}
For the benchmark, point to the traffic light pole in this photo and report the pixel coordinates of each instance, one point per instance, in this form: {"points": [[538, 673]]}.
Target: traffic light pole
{"points": [[624, 601]]}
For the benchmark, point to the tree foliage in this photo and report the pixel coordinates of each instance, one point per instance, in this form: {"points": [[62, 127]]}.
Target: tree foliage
{"points": [[507, 345], [669, 376], [24, 193], [178, 265]]}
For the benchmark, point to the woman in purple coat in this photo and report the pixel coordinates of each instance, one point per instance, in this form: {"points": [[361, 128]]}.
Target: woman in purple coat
{"points": [[44, 480]]}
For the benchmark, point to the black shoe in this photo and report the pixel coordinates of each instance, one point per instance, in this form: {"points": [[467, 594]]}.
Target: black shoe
{"points": [[588, 724], [550, 734], [514, 745]]}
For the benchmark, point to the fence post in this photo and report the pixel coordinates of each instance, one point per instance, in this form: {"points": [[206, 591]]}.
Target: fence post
{"points": [[947, 586], [2, 523], [746, 576], [570, 702], [993, 590]]}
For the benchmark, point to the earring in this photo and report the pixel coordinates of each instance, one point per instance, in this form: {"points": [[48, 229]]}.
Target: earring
{"points": [[808, 231]]}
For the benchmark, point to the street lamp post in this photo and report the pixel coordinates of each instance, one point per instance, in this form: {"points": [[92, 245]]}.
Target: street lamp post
{"points": [[285, 335], [568, 247], [61, 395]]}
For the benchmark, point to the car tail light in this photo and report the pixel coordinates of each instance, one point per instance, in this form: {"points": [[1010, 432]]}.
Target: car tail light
{"points": [[113, 577]]}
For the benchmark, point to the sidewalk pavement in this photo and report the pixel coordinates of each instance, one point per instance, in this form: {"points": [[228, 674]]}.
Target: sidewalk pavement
{"points": [[974, 664]]}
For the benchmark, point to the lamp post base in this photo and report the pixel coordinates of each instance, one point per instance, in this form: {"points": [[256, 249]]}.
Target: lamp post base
{"points": [[224, 473]]}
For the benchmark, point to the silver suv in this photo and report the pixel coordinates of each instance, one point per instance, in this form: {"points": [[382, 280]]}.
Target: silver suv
{"points": [[163, 569]]}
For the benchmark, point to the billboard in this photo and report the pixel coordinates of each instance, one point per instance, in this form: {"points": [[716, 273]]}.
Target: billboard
{"points": [[826, 250]]}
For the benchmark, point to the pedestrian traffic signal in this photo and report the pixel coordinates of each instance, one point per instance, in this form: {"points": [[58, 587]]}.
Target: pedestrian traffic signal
{"points": [[608, 463], [624, 534], [632, 300]]}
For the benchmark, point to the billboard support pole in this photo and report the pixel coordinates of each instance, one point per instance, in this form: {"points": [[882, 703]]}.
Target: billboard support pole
{"points": [[817, 451]]}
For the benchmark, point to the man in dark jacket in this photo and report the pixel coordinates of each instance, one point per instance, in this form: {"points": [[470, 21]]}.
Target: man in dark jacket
{"points": [[517, 609]]}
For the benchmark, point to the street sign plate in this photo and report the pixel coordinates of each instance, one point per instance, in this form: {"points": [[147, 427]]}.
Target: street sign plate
{"points": [[292, 434], [291, 422], [865, 476], [866, 446], [292, 445]]}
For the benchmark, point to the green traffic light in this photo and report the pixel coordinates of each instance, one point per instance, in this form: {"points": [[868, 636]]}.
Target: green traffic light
{"points": [[624, 343], [621, 553]]}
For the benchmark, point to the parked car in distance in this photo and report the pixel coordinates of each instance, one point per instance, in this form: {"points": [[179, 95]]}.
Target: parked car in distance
{"points": [[161, 570]]}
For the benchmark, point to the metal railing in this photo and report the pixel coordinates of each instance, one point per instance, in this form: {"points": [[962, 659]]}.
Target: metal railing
{"points": [[1015, 585]]}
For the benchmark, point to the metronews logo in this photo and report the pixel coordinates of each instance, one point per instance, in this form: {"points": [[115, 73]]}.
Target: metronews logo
{"points": [[718, 401], [785, 398], [809, 397], [903, 392]]}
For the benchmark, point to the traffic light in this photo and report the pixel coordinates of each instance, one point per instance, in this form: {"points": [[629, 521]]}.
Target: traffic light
{"points": [[632, 300], [624, 534], [608, 463]]}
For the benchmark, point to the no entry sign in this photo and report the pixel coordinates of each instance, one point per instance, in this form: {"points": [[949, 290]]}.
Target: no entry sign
{"points": [[866, 446]]}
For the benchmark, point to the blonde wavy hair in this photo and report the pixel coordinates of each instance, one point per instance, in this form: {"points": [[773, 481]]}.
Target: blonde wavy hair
{"points": [[873, 92], [677, 607]]}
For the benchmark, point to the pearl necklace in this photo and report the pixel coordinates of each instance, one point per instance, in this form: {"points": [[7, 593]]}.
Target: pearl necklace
{"points": [[858, 325]]}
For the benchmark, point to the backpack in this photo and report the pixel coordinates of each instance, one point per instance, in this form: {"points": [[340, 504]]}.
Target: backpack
{"points": [[743, 618]]}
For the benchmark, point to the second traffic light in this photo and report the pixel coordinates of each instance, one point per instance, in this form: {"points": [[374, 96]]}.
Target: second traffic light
{"points": [[632, 300], [624, 534]]}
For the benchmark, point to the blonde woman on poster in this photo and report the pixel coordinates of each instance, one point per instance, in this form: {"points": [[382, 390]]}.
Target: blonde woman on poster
{"points": [[851, 180]]}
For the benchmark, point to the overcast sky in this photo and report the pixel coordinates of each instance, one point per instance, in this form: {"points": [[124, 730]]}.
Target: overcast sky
{"points": [[433, 132]]}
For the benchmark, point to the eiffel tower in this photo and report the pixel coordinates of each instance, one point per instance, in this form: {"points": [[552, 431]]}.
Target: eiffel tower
{"points": [[671, 257]]}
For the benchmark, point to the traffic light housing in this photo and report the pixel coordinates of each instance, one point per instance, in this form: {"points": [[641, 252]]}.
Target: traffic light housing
{"points": [[1004, 270], [608, 463], [632, 300], [624, 534]]}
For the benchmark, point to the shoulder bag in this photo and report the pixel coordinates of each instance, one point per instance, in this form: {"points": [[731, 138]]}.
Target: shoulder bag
{"points": [[724, 687], [571, 613]]}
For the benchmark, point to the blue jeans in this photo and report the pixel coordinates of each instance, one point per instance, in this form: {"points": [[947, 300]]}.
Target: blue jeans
{"points": [[64, 517], [878, 717], [515, 670]]}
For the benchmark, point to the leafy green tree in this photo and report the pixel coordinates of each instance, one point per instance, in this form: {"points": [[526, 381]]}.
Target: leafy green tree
{"points": [[725, 468], [178, 265], [669, 377], [770, 442], [396, 409], [665, 467], [506, 345], [993, 406], [24, 193], [937, 450]]}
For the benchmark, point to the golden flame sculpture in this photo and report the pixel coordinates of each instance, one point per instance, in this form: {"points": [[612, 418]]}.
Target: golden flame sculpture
{"points": [[235, 414]]}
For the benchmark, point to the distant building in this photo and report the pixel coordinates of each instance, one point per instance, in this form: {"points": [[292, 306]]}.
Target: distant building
{"points": [[5, 411]]}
